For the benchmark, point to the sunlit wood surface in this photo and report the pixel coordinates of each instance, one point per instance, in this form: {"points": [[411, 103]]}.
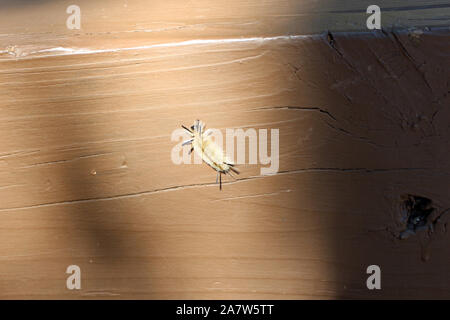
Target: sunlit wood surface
{"points": [[86, 176]]}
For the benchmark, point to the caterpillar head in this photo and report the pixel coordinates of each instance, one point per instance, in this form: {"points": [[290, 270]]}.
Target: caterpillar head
{"points": [[197, 128]]}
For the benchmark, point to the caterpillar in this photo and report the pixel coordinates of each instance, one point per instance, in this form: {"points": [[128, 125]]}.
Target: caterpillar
{"points": [[201, 142]]}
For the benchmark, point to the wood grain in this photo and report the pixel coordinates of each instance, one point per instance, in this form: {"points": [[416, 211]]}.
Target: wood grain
{"points": [[29, 26], [86, 175]]}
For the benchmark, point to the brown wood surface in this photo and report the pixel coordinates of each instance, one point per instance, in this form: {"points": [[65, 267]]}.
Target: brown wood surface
{"points": [[86, 176]]}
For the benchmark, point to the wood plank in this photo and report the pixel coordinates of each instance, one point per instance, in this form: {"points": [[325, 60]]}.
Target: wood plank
{"points": [[28, 27], [86, 175]]}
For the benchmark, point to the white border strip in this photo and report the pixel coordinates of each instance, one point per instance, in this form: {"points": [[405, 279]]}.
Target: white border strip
{"points": [[72, 51]]}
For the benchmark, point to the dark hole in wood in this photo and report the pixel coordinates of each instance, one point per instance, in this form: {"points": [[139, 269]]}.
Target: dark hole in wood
{"points": [[330, 39], [418, 210]]}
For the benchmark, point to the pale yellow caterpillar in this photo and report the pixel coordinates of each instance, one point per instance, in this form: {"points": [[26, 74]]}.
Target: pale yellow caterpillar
{"points": [[202, 143]]}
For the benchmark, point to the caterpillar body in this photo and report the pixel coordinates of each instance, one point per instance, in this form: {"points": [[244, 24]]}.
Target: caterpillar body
{"points": [[202, 143]]}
